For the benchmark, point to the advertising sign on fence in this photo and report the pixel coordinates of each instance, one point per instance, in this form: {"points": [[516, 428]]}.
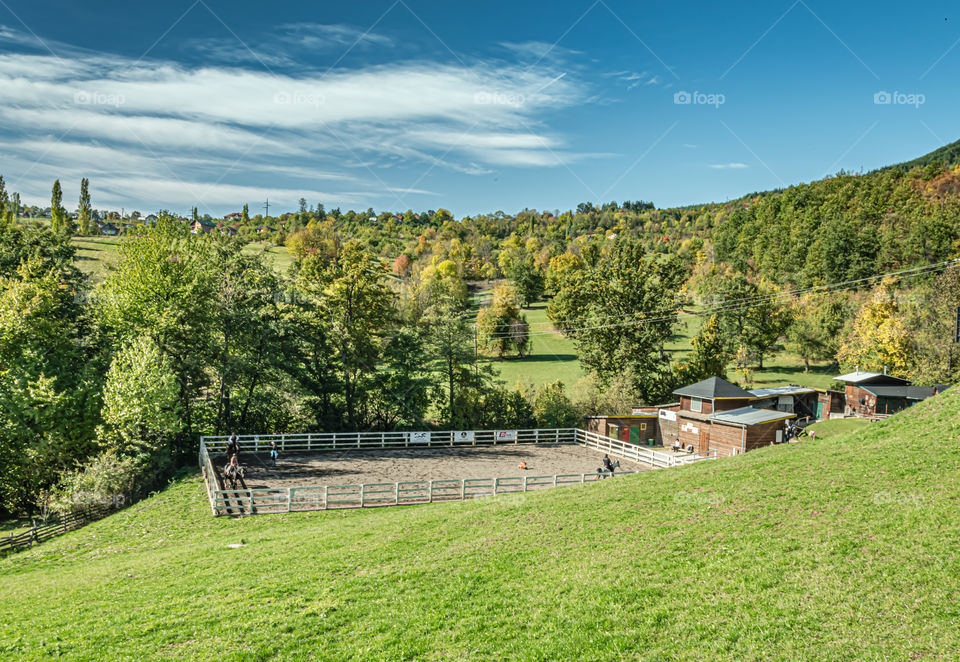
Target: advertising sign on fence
{"points": [[463, 435], [420, 437], [506, 435]]}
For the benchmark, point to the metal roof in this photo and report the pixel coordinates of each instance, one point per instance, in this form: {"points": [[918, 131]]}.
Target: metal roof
{"points": [[714, 387], [781, 390], [908, 392], [859, 377], [750, 416]]}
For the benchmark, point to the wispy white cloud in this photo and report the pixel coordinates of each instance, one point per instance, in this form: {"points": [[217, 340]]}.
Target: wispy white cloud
{"points": [[726, 166], [117, 117]]}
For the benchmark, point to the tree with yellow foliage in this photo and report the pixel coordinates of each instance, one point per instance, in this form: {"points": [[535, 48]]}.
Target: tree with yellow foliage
{"points": [[879, 337]]}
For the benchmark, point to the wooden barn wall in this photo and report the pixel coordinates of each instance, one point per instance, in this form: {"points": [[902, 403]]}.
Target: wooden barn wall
{"points": [[763, 435], [725, 439]]}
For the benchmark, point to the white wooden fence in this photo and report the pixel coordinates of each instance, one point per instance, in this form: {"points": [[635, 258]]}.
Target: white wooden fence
{"points": [[294, 499], [341, 441], [365, 495]]}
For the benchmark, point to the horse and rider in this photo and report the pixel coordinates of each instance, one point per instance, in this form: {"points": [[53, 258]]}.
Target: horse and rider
{"points": [[608, 467], [232, 470]]}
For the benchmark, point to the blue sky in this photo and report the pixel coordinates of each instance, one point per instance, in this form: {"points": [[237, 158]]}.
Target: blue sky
{"points": [[475, 107]]}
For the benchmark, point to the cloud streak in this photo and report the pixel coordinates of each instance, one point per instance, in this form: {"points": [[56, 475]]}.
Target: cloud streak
{"points": [[117, 116]]}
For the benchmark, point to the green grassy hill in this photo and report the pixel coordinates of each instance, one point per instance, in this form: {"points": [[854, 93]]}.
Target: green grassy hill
{"points": [[838, 549]]}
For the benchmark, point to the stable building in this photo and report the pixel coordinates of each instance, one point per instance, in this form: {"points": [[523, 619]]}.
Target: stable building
{"points": [[871, 394], [717, 415], [639, 428]]}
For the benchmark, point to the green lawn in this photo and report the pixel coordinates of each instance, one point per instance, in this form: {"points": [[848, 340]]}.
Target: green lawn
{"points": [[825, 550], [97, 255], [552, 355], [838, 427], [276, 256]]}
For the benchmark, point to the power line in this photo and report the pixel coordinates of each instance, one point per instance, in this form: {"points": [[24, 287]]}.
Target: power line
{"points": [[781, 293], [740, 304]]}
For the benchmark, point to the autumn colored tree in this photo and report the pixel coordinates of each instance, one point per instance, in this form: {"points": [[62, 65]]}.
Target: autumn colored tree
{"points": [[879, 337]]}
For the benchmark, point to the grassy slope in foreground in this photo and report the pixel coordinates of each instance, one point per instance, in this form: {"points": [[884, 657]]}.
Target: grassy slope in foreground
{"points": [[831, 550]]}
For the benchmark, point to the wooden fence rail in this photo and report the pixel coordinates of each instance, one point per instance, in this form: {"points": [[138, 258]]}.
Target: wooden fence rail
{"points": [[38, 533], [294, 499], [367, 495], [342, 441]]}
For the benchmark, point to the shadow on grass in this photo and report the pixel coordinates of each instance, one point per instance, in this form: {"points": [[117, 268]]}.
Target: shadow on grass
{"points": [[551, 358]]}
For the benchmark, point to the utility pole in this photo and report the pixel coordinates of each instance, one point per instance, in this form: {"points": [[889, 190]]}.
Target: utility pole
{"points": [[266, 207], [956, 339]]}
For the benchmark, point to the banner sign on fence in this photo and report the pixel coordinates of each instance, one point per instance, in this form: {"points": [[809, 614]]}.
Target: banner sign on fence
{"points": [[463, 435], [506, 435], [668, 414], [420, 437]]}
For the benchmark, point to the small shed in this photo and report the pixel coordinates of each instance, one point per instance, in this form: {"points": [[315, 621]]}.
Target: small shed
{"points": [[639, 429], [793, 399], [874, 393]]}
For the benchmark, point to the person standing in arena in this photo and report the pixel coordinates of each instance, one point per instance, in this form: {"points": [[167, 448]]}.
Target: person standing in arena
{"points": [[273, 452]]}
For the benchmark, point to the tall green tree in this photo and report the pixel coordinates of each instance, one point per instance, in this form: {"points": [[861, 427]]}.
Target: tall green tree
{"points": [[58, 215], [84, 209]]}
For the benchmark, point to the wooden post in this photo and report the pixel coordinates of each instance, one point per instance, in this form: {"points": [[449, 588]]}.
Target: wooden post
{"points": [[290, 491], [463, 489], [363, 490], [430, 492], [496, 485], [524, 483], [326, 494], [250, 493]]}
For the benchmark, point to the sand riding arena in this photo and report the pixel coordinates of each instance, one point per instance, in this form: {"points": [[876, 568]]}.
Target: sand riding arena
{"points": [[356, 470]]}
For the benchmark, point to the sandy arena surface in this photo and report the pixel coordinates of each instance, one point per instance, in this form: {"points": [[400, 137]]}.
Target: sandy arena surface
{"points": [[391, 466]]}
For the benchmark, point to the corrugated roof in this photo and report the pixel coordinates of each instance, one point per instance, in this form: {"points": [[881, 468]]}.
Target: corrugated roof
{"points": [[714, 387], [781, 390], [750, 416], [859, 377], [908, 392]]}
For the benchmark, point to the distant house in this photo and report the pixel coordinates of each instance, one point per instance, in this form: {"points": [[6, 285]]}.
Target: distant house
{"points": [[228, 230], [109, 229], [234, 215], [263, 229], [200, 226], [151, 217], [880, 394]]}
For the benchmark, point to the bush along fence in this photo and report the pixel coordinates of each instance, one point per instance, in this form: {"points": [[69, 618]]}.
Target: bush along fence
{"points": [[58, 524], [327, 497]]}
